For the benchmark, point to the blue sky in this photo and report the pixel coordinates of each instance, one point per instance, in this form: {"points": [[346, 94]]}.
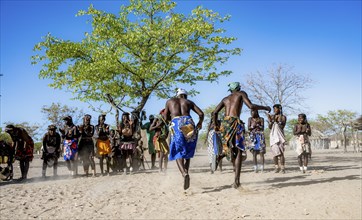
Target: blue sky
{"points": [[319, 38]]}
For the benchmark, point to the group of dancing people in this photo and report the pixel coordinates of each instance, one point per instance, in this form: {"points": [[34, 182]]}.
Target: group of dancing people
{"points": [[226, 137], [86, 142]]}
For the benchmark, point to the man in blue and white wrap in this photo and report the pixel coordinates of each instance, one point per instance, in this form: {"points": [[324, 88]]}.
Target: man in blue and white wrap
{"points": [[183, 131]]}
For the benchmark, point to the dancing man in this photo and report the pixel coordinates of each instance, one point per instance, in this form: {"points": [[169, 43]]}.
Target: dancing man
{"points": [[232, 128], [184, 133]]}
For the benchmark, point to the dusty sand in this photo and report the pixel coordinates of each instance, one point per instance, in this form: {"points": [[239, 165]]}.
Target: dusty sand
{"points": [[331, 189]]}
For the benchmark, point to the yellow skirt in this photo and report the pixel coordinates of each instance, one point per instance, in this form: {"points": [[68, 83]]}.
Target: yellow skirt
{"points": [[161, 145], [103, 147]]}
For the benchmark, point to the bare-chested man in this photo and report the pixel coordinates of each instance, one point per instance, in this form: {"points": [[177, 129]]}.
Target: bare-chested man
{"points": [[277, 139], [232, 128], [302, 130], [183, 131]]}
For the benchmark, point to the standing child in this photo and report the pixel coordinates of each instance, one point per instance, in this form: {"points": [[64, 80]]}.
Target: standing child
{"points": [[302, 130], [257, 139], [116, 154]]}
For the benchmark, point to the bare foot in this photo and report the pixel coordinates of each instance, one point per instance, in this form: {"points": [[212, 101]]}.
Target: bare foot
{"points": [[236, 184]]}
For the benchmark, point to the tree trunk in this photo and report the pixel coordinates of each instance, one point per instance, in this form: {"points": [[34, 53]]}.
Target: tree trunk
{"points": [[357, 142], [344, 128], [113, 104]]}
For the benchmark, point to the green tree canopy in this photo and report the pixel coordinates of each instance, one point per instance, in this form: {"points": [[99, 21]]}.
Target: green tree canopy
{"points": [[147, 49], [337, 122], [334, 121]]}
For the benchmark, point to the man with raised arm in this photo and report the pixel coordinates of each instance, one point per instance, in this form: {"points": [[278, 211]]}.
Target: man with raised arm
{"points": [[232, 128]]}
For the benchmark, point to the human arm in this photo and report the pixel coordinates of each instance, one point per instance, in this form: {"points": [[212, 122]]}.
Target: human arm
{"points": [[155, 124], [58, 144], [80, 128], [252, 106], [92, 130], [282, 121], [45, 143], [166, 114], [309, 130], [296, 129], [201, 115], [249, 124], [270, 120], [25, 137], [215, 114], [76, 131]]}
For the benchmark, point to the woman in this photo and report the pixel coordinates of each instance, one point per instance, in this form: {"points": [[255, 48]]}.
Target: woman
{"points": [[86, 145], [277, 139], [160, 140], [103, 143], [70, 135], [24, 147]]}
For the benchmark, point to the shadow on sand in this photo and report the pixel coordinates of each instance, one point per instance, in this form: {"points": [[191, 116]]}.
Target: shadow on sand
{"points": [[215, 189], [282, 182]]}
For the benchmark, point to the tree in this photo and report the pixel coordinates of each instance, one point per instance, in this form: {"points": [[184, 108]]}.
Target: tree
{"points": [[147, 49], [56, 112], [278, 85], [335, 122], [356, 125]]}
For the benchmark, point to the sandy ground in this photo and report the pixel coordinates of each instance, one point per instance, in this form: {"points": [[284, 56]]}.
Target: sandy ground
{"points": [[331, 189]]}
